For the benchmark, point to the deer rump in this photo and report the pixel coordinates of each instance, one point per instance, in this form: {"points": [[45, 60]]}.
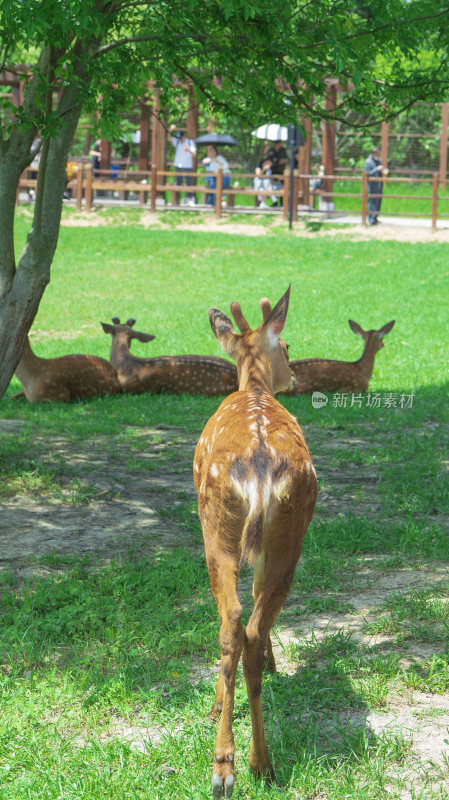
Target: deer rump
{"points": [[255, 488]]}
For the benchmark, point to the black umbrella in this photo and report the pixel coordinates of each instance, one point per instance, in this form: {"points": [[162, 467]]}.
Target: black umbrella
{"points": [[216, 139]]}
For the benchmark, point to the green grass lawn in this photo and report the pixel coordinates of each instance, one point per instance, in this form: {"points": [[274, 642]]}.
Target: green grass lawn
{"points": [[87, 646]]}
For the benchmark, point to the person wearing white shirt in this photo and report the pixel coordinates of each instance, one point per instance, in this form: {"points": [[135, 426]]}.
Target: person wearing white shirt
{"points": [[185, 150], [213, 163]]}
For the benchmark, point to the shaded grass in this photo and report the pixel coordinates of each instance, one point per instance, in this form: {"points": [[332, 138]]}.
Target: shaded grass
{"points": [[91, 651]]}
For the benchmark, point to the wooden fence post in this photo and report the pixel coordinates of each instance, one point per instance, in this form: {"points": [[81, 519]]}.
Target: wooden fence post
{"points": [[79, 186], [153, 186], [364, 196], [434, 200], [219, 192], [88, 188]]}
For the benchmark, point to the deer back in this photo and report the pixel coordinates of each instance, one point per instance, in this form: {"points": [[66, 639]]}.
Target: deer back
{"points": [[65, 378], [182, 374], [327, 375]]}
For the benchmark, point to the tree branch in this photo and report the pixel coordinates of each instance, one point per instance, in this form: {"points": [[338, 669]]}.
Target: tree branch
{"points": [[130, 39]]}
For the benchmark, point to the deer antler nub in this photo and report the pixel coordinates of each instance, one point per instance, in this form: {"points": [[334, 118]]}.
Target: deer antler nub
{"points": [[240, 320], [266, 308]]}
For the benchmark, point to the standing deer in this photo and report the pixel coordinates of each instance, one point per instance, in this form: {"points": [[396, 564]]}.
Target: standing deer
{"points": [[65, 378], [188, 374], [325, 375], [256, 495]]}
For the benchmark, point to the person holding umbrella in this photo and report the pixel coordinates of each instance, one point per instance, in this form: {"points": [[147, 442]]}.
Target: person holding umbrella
{"points": [[277, 154]]}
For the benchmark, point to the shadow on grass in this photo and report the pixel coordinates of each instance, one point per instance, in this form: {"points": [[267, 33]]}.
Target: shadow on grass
{"points": [[133, 630]]}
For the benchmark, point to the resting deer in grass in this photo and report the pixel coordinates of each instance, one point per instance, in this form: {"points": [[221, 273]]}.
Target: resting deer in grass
{"points": [[325, 375], [256, 495], [65, 378], [187, 374]]}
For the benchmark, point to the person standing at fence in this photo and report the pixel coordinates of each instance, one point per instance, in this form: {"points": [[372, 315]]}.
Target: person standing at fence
{"points": [[185, 150], [95, 154], [374, 169], [213, 163]]}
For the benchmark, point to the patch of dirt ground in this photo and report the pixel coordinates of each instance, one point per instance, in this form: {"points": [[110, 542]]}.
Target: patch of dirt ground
{"points": [[254, 223], [127, 494]]}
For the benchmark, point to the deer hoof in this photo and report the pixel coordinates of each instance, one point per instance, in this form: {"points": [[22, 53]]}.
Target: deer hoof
{"points": [[222, 788]]}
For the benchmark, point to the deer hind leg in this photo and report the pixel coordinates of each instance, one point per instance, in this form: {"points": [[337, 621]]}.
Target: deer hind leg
{"points": [[224, 587], [270, 592], [270, 663]]}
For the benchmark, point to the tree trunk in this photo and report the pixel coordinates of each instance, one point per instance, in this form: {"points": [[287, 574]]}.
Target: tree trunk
{"points": [[22, 286]]}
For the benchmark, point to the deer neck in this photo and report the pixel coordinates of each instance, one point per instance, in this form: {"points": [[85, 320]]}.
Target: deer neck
{"points": [[255, 373], [366, 362], [120, 352], [29, 363]]}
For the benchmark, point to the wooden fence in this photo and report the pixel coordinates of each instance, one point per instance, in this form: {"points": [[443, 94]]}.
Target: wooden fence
{"points": [[87, 186]]}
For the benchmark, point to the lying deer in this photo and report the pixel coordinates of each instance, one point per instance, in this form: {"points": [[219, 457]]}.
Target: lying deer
{"points": [[65, 378], [187, 374], [325, 375], [256, 495]]}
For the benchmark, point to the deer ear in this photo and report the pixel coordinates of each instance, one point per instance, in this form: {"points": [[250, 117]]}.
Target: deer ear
{"points": [[275, 321], [142, 337], [356, 328], [386, 328], [223, 331], [108, 328]]}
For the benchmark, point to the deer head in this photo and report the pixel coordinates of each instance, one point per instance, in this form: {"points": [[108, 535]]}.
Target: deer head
{"points": [[261, 356], [376, 335], [126, 330]]}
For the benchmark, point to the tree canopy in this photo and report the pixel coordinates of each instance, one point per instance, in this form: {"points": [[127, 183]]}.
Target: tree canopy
{"points": [[248, 56]]}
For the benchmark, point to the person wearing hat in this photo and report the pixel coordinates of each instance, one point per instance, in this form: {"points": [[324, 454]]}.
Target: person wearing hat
{"points": [[185, 150], [374, 169]]}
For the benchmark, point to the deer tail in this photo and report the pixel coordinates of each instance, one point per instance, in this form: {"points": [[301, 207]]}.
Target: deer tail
{"points": [[252, 533]]}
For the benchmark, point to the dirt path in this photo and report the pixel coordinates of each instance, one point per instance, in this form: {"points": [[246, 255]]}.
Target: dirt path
{"points": [[402, 230]]}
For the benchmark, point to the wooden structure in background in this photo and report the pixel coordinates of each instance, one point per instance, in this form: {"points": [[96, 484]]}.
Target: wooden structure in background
{"points": [[154, 134]]}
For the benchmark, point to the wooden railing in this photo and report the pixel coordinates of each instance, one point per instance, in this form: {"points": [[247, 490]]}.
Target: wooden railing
{"points": [[86, 185]]}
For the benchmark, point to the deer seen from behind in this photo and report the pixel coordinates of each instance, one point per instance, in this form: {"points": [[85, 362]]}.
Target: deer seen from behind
{"points": [[256, 490], [65, 378], [326, 375], [189, 374]]}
